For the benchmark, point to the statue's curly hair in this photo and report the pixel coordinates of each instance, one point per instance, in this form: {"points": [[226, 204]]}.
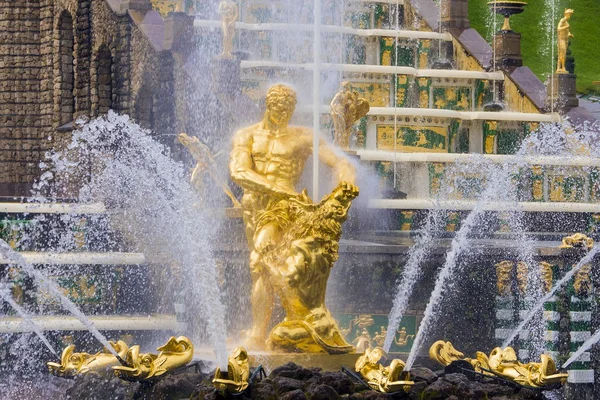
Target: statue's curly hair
{"points": [[281, 95]]}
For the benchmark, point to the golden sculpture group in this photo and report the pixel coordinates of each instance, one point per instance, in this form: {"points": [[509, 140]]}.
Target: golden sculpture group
{"points": [[177, 352], [293, 242], [388, 379], [503, 363]]}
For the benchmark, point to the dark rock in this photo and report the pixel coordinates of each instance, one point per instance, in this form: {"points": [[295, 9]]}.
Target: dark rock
{"points": [[374, 395], [339, 381], [263, 391], [202, 390], [452, 398], [416, 390], [528, 394], [356, 396], [471, 390], [439, 389], [291, 370], [95, 387], [493, 390], [419, 374], [455, 379], [294, 395], [284, 385], [322, 392], [173, 387]]}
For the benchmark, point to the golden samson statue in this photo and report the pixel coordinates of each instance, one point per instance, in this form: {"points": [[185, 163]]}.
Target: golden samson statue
{"points": [[293, 242]]}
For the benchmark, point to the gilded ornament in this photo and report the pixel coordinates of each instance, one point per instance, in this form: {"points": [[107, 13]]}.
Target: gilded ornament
{"points": [[205, 164], [379, 338], [578, 240], [72, 364], [547, 274], [235, 380], [582, 282], [504, 364], [503, 277], [346, 109], [403, 337], [564, 34], [388, 379], [177, 352], [363, 341], [293, 242]]}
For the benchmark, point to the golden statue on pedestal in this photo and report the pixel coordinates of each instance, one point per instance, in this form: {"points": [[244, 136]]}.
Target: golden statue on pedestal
{"points": [[564, 33], [388, 379], [72, 363], [229, 15], [346, 109], [293, 242], [504, 364]]}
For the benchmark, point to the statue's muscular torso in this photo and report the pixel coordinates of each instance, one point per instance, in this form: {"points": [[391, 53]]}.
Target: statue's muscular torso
{"points": [[279, 158]]}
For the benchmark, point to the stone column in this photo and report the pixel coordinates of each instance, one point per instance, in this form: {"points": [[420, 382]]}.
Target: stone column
{"points": [[562, 93], [455, 16], [507, 45]]}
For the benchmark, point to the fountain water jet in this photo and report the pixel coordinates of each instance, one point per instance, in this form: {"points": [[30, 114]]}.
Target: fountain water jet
{"points": [[412, 272], [15, 258], [7, 296]]}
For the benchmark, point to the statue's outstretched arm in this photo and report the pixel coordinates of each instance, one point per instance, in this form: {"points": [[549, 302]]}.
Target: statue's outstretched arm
{"points": [[240, 167], [344, 170]]}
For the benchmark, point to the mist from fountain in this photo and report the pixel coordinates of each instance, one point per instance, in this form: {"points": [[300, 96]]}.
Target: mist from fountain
{"points": [[497, 179], [533, 291], [150, 202], [548, 140], [15, 258], [556, 286], [27, 320]]}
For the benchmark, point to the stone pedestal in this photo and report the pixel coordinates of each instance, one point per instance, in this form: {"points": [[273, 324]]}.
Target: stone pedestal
{"points": [[226, 76], [507, 45], [179, 30], [562, 93], [455, 15], [140, 5]]}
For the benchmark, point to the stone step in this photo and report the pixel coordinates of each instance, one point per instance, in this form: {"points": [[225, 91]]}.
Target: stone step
{"points": [[154, 322]]}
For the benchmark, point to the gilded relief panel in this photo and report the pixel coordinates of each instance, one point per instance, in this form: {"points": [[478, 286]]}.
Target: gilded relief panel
{"points": [[409, 138], [376, 93]]}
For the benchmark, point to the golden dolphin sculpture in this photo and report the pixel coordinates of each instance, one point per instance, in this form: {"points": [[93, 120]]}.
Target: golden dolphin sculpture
{"points": [[503, 363], [238, 373], [577, 240], [176, 353], [388, 379], [72, 363]]}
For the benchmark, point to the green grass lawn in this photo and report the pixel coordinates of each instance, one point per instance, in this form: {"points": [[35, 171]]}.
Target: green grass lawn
{"points": [[535, 42]]}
